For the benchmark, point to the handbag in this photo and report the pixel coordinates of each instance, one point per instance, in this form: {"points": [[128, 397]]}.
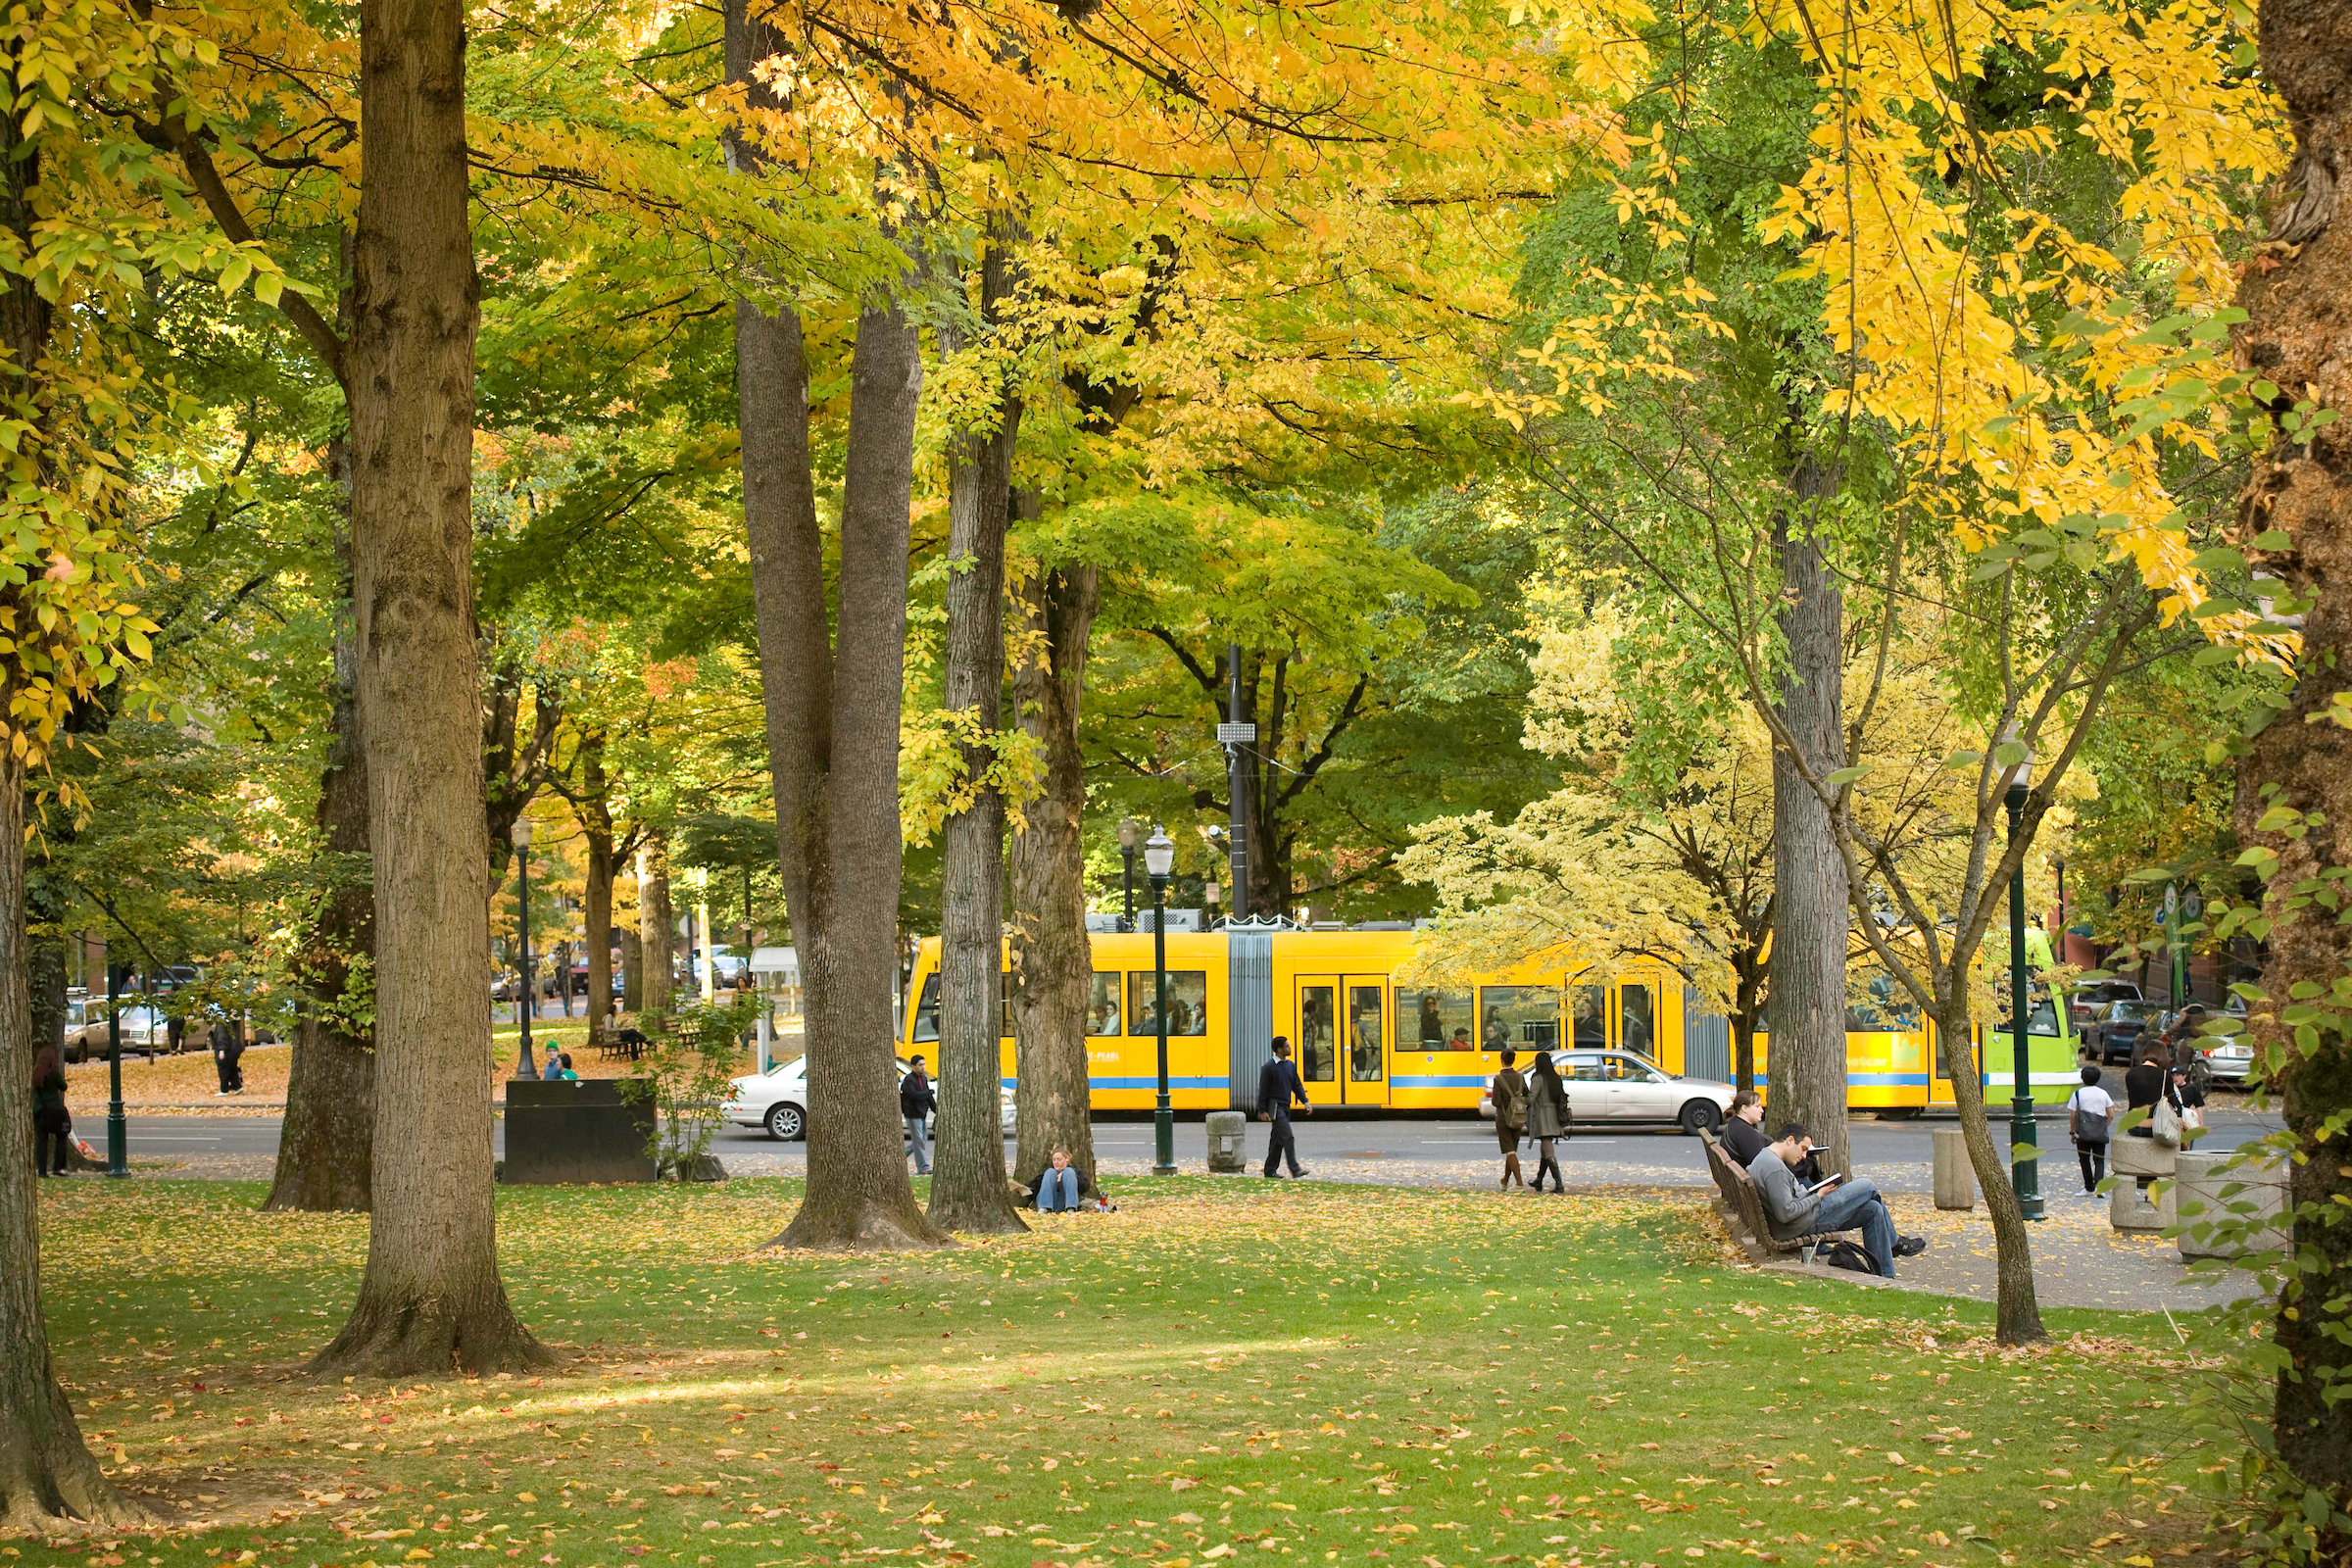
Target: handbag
{"points": [[2166, 1123], [2089, 1127]]}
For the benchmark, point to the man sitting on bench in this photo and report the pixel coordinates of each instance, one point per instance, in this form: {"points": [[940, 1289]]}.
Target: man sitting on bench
{"points": [[1836, 1205]]}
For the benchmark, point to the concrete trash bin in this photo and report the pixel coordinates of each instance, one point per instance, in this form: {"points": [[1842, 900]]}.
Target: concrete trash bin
{"points": [[1955, 1178], [2207, 1196], [1226, 1129], [575, 1131]]}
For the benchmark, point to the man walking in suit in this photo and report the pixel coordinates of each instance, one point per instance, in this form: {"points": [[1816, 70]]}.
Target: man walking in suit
{"points": [[1277, 1085]]}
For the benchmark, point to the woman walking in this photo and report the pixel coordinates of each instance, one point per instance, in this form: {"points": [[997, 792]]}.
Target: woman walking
{"points": [[1510, 1118], [1547, 1116], [52, 1128]]}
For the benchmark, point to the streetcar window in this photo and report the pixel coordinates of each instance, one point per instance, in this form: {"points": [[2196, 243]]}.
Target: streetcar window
{"points": [[926, 1011], [1518, 1018], [1592, 1022], [1444, 1020], [1188, 1002], [1318, 1034], [1876, 1005], [1633, 1031], [1103, 1004]]}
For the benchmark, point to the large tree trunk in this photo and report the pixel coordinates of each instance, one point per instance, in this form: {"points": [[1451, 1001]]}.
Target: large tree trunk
{"points": [[597, 915], [656, 928], [1806, 1075], [967, 1178], [430, 1299], [632, 971], [832, 712], [2296, 300], [2017, 1315], [46, 1471], [326, 1145], [1052, 959]]}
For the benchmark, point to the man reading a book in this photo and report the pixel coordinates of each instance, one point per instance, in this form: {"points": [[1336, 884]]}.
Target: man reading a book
{"points": [[1793, 1209]]}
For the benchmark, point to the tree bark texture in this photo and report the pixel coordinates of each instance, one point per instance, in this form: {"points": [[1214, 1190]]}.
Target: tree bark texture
{"points": [[430, 1301], [632, 971], [656, 929], [325, 1147], [2017, 1314], [2297, 294], [597, 915], [47, 1475], [1052, 959], [969, 1190], [1805, 1077], [832, 712]]}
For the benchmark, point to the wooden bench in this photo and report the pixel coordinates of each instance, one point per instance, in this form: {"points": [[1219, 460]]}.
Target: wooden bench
{"points": [[1747, 1204]]}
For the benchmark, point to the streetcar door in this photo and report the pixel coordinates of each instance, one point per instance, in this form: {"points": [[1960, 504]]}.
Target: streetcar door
{"points": [[1366, 1061], [1318, 1038], [1342, 1039]]}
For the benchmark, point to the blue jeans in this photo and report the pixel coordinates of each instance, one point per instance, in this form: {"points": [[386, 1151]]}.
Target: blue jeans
{"points": [[914, 1145], [1857, 1203], [1060, 1194]]}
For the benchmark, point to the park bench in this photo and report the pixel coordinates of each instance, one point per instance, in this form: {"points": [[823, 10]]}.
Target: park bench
{"points": [[1746, 1205]]}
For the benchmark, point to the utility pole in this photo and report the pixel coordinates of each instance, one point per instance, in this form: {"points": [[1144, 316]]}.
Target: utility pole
{"points": [[1237, 737]]}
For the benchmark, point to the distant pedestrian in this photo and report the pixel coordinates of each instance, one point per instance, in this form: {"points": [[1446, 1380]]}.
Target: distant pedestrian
{"points": [[1548, 1116], [554, 1069], [1277, 1086], [1510, 1118], [52, 1127], [2146, 1084], [916, 1102], [2088, 1111], [563, 1067]]}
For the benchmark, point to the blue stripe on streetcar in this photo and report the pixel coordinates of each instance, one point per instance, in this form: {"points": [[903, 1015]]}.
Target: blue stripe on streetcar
{"points": [[1152, 1083]]}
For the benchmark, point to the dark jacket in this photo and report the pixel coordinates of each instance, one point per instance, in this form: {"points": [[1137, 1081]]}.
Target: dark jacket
{"points": [[49, 1094], [2143, 1086], [1277, 1085], [916, 1097], [1743, 1142], [1510, 1097]]}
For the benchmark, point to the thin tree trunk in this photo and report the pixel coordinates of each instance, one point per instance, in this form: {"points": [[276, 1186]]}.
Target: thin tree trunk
{"points": [[597, 914], [969, 1190], [632, 971], [832, 715], [430, 1299], [656, 927], [2017, 1315], [1807, 1072], [325, 1147], [1053, 961], [2295, 299]]}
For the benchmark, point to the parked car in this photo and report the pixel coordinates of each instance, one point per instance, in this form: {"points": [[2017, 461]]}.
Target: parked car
{"points": [[2085, 1005], [2216, 1036], [144, 1030], [779, 1102], [1619, 1087], [2115, 1031]]}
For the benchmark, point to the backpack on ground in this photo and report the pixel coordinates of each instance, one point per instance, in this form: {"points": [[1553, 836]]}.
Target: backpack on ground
{"points": [[1839, 1253]]}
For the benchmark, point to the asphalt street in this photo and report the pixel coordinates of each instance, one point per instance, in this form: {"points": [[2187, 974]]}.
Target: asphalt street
{"points": [[1897, 1154]]}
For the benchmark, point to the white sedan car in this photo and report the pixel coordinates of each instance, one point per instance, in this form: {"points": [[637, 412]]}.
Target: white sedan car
{"points": [[779, 1102], [1617, 1086]]}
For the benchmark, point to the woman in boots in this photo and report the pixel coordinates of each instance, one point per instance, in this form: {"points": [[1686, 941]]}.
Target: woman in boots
{"points": [[1547, 1116], [1510, 1118]]}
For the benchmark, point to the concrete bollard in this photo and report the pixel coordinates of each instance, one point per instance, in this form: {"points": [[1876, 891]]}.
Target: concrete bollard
{"points": [[2256, 1190], [1955, 1178], [2138, 1207], [1225, 1134]]}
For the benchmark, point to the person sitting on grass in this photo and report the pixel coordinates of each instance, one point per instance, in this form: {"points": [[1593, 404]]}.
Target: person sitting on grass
{"points": [[1059, 1187], [1791, 1211]]}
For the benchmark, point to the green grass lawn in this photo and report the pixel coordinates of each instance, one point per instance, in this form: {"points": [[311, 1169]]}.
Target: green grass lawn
{"points": [[1225, 1370]]}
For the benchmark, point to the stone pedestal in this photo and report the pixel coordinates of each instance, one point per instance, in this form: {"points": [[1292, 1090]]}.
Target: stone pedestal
{"points": [[1226, 1130], [1955, 1178], [2140, 1156], [2219, 1190], [2142, 1196]]}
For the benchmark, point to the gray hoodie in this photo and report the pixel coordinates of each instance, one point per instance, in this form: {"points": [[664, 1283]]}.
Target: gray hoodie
{"points": [[1787, 1207]]}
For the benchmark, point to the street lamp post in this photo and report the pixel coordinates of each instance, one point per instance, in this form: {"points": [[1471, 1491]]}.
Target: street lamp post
{"points": [[1129, 829], [523, 1008], [118, 1125], [2025, 1155], [1159, 857]]}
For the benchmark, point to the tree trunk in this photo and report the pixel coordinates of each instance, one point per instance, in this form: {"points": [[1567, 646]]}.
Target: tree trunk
{"points": [[632, 971], [656, 928], [325, 1147], [597, 914], [1806, 1076], [1052, 959], [2294, 295], [2017, 1315], [46, 1471], [430, 1299], [832, 712], [968, 1190]]}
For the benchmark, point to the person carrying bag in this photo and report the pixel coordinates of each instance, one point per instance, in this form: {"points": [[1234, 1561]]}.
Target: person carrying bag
{"points": [[2091, 1111]]}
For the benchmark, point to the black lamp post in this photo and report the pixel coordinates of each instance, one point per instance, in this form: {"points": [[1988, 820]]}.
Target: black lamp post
{"points": [[1159, 857], [1129, 830], [118, 1125], [523, 1000], [2025, 1155]]}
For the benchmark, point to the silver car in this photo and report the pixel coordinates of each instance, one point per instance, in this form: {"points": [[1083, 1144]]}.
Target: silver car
{"points": [[1617, 1086], [779, 1101]]}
